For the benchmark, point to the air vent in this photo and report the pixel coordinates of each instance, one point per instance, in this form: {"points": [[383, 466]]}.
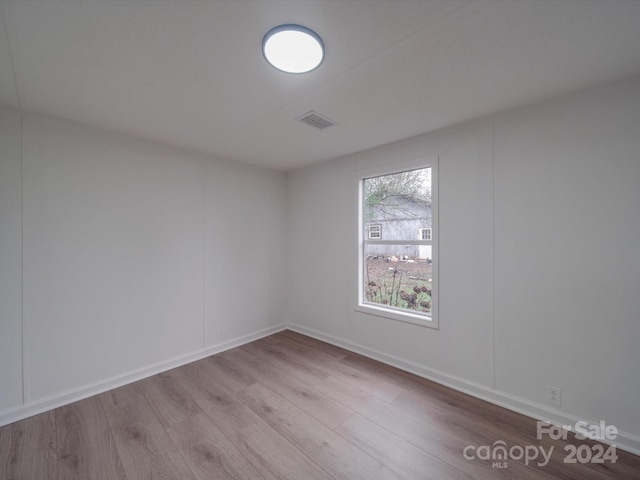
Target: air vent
{"points": [[316, 120]]}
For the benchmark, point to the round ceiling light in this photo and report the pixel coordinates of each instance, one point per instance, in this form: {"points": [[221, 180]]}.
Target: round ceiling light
{"points": [[293, 48]]}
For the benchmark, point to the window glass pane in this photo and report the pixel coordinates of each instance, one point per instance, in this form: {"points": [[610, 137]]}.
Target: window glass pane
{"points": [[397, 205], [397, 248], [398, 280]]}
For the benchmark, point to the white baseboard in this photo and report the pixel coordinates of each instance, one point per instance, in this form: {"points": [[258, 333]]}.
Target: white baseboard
{"points": [[624, 441], [64, 398]]}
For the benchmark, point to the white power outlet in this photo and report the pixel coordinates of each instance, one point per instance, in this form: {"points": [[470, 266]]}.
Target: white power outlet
{"points": [[554, 396]]}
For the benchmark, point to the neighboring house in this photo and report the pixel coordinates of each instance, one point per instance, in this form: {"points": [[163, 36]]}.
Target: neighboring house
{"points": [[407, 218]]}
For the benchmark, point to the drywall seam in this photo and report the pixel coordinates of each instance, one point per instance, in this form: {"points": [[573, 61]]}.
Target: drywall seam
{"points": [[493, 252], [11, 60], [24, 325]]}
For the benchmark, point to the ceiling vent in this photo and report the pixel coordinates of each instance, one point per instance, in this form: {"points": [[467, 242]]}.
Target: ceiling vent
{"points": [[316, 120]]}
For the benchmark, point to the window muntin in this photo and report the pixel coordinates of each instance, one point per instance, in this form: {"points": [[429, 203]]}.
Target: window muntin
{"points": [[397, 272]]}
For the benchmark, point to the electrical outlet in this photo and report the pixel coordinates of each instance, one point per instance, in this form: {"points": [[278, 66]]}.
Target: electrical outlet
{"points": [[554, 396]]}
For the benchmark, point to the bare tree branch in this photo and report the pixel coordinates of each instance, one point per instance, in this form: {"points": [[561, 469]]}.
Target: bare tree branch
{"points": [[387, 196]]}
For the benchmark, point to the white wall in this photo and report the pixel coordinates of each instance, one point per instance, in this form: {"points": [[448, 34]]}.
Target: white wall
{"points": [[539, 257], [133, 257], [323, 262], [244, 259], [567, 211], [10, 261]]}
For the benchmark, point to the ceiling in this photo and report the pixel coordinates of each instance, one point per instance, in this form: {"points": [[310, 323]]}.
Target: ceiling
{"points": [[190, 73]]}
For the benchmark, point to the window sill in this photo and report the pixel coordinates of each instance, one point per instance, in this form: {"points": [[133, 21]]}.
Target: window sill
{"points": [[397, 315]]}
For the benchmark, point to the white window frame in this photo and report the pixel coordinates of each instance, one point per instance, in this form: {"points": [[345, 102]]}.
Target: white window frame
{"points": [[377, 230], [393, 313]]}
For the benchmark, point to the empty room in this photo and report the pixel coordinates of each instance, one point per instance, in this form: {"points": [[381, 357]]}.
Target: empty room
{"points": [[319, 239]]}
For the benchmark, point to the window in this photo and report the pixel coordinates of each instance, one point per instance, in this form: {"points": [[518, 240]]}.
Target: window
{"points": [[398, 269], [374, 232], [424, 234]]}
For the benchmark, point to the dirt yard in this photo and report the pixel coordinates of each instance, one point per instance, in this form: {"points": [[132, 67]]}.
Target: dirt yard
{"points": [[403, 284]]}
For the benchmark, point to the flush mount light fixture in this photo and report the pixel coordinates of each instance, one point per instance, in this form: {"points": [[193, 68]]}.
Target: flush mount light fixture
{"points": [[293, 48]]}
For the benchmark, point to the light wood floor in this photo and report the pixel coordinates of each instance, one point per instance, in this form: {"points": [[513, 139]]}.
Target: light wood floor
{"points": [[286, 406]]}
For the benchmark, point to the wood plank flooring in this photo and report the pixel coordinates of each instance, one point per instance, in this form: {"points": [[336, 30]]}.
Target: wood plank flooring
{"points": [[283, 407]]}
